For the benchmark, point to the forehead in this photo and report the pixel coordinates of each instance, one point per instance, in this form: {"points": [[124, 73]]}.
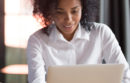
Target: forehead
{"points": [[68, 3]]}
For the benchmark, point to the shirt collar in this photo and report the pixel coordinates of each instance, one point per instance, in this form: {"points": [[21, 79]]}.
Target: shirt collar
{"points": [[80, 33]]}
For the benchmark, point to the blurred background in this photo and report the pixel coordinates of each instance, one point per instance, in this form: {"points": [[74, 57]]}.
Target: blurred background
{"points": [[17, 23]]}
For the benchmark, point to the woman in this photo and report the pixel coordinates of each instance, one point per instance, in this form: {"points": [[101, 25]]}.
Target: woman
{"points": [[68, 39]]}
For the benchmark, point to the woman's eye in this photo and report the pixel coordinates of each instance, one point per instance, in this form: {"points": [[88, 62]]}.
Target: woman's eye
{"points": [[59, 12], [73, 12]]}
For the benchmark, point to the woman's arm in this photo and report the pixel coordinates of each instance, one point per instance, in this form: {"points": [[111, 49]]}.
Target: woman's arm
{"points": [[35, 61], [112, 52]]}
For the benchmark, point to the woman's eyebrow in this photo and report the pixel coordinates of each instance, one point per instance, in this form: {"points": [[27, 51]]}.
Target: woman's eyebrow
{"points": [[75, 7], [63, 9]]}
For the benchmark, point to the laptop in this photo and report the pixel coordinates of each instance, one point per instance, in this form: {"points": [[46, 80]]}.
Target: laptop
{"points": [[101, 73]]}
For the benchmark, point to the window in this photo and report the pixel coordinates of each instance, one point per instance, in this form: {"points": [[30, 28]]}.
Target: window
{"points": [[19, 25]]}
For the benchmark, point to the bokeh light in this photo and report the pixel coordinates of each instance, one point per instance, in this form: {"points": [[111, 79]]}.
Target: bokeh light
{"points": [[15, 69]]}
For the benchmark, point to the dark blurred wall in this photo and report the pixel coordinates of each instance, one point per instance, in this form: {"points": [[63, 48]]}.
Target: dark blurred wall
{"points": [[2, 46], [116, 14]]}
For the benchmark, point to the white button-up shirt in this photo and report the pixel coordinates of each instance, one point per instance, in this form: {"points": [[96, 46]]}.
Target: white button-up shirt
{"points": [[87, 47]]}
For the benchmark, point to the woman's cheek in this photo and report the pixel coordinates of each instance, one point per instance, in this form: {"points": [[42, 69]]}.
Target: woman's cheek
{"points": [[58, 18]]}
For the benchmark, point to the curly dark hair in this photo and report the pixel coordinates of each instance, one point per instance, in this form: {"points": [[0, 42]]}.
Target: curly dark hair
{"points": [[43, 8]]}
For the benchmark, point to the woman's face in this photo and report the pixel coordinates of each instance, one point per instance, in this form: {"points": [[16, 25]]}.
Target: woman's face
{"points": [[67, 16]]}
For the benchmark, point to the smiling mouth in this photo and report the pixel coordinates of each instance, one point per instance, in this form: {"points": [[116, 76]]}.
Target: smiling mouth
{"points": [[68, 26]]}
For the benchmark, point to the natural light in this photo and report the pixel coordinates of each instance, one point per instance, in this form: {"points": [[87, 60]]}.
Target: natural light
{"points": [[15, 69], [19, 23]]}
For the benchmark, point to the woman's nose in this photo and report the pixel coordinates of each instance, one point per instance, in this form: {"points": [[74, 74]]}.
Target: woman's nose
{"points": [[68, 18]]}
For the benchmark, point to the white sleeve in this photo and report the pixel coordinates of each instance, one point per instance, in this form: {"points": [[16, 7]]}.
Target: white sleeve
{"points": [[112, 52], [35, 61]]}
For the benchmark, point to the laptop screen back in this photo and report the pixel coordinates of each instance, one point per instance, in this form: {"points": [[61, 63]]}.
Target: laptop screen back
{"points": [[85, 74]]}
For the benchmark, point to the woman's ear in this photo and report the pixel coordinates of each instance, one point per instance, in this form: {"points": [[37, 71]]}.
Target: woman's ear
{"points": [[52, 20]]}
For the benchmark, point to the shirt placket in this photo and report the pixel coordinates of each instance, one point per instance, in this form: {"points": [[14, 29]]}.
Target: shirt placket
{"points": [[72, 57]]}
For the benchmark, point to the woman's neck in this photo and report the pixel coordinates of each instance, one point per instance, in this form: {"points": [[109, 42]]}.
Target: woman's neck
{"points": [[68, 37]]}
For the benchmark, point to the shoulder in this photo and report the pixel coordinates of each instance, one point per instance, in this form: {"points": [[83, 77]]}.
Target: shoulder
{"points": [[38, 37], [38, 33], [101, 28], [94, 26], [44, 33], [104, 31]]}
